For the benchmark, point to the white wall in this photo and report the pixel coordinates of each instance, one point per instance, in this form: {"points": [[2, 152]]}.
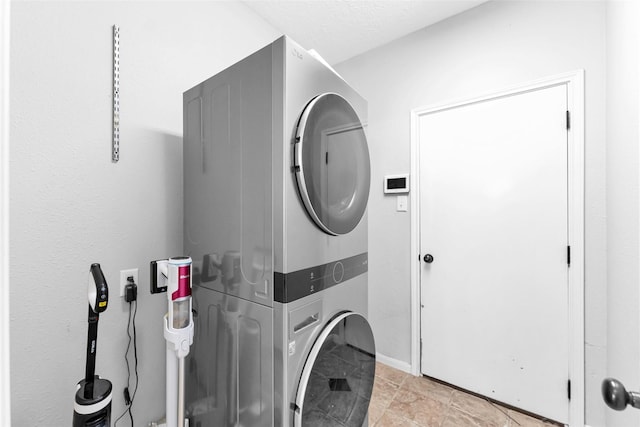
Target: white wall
{"points": [[5, 393], [623, 278], [496, 45], [71, 206]]}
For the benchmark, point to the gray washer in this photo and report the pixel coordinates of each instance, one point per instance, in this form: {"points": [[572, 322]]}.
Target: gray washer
{"points": [[276, 181]]}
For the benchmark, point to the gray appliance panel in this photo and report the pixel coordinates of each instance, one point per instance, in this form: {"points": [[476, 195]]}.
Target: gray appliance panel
{"points": [[304, 244], [292, 343], [230, 366], [227, 180]]}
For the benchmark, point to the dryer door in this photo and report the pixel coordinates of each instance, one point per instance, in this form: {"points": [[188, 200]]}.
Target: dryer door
{"points": [[337, 378], [331, 161]]}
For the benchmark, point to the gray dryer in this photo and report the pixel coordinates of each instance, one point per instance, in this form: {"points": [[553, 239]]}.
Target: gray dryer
{"points": [[276, 184]]}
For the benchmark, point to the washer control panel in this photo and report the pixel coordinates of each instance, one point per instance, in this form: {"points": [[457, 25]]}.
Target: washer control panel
{"points": [[298, 284]]}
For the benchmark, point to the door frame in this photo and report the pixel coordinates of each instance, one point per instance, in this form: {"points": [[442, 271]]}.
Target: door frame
{"points": [[575, 103]]}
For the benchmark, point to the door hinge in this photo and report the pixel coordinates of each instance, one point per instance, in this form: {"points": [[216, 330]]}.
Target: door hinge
{"points": [[569, 255], [569, 389], [568, 120]]}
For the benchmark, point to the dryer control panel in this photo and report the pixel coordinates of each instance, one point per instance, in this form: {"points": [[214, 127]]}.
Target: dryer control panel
{"points": [[292, 286]]}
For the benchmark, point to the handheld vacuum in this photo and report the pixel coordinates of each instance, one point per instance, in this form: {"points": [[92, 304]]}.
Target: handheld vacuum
{"points": [[92, 406], [173, 276]]}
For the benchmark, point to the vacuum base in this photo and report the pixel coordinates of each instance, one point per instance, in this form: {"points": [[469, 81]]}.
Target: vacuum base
{"points": [[92, 408]]}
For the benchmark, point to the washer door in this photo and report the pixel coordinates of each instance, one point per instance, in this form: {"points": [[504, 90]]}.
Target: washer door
{"points": [[331, 161], [337, 378]]}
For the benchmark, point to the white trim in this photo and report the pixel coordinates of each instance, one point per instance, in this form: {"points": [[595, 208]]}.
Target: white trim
{"points": [[575, 89], [5, 386], [394, 363], [414, 200], [90, 409]]}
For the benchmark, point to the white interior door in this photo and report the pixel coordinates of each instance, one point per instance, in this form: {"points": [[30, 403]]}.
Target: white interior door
{"points": [[493, 203]]}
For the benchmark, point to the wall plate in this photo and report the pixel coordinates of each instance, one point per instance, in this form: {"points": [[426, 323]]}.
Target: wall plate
{"points": [[123, 278]]}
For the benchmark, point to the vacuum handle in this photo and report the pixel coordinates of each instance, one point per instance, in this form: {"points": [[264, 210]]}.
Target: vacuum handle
{"points": [[92, 344], [98, 290]]}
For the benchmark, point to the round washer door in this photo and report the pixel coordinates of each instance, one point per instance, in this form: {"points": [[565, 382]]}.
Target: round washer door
{"points": [[337, 379], [331, 161]]}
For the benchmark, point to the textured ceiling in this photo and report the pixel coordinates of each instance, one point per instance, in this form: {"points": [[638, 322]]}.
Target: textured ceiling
{"points": [[341, 29]]}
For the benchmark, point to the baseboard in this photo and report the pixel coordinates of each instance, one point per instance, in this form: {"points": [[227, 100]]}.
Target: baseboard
{"points": [[394, 363]]}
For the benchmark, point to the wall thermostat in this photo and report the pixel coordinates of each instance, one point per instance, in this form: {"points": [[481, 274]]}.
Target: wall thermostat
{"points": [[396, 183]]}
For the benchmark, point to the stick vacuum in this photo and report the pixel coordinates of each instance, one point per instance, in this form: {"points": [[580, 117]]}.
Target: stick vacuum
{"points": [[92, 406], [173, 276]]}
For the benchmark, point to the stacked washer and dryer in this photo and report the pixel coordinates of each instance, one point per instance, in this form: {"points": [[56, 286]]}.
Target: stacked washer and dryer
{"points": [[276, 184]]}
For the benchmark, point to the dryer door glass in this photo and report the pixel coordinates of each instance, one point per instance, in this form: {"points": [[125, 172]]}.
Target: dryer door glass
{"points": [[331, 161], [337, 379]]}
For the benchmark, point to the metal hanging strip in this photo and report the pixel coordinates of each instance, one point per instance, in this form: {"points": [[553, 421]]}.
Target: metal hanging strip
{"points": [[115, 143]]}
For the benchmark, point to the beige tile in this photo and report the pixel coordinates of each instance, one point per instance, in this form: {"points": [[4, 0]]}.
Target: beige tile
{"points": [[400, 399], [479, 408], [403, 408], [432, 415], [518, 419], [457, 418], [383, 392], [423, 411], [375, 413], [428, 388], [390, 420], [390, 374]]}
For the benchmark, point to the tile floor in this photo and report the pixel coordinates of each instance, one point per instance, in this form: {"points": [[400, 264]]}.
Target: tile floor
{"points": [[402, 400]]}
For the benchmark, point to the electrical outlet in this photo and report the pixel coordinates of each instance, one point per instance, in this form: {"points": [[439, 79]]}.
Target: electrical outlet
{"points": [[123, 278]]}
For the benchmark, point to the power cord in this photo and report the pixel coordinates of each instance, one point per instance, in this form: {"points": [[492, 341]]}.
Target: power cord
{"points": [[130, 296]]}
